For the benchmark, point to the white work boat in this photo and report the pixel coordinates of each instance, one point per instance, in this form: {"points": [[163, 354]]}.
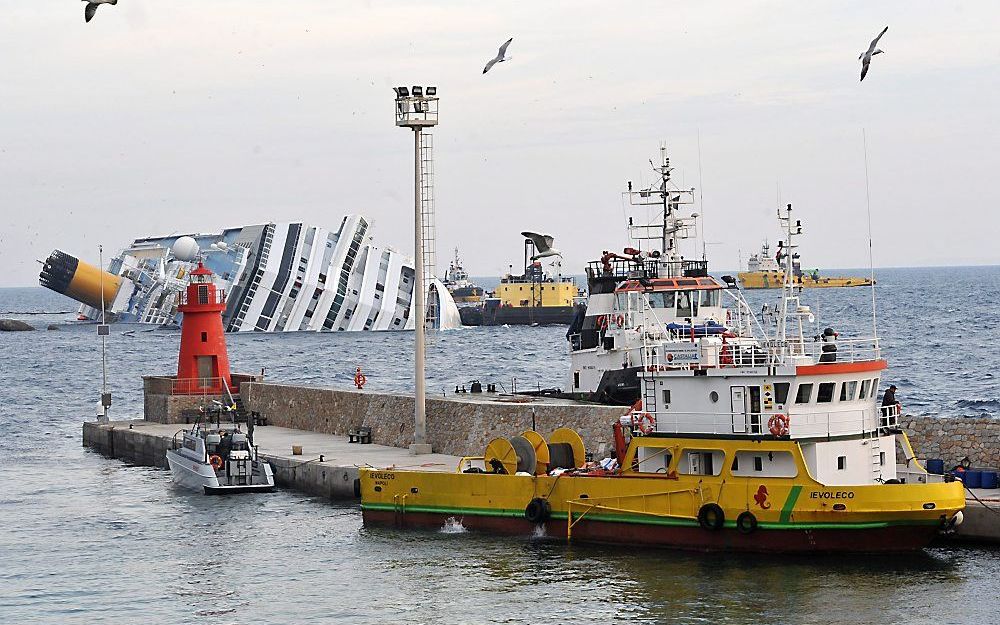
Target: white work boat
{"points": [[219, 461]]}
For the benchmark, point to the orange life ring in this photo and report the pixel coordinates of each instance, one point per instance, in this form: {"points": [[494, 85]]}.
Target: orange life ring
{"points": [[620, 320], [644, 422], [216, 461], [602, 322], [778, 425]]}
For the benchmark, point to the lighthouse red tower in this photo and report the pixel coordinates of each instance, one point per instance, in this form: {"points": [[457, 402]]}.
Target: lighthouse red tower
{"points": [[203, 362]]}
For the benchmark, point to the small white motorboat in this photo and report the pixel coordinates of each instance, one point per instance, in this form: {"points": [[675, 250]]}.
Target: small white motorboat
{"points": [[218, 460]]}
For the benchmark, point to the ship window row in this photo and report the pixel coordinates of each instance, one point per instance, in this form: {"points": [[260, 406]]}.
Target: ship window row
{"points": [[686, 303], [711, 462], [827, 391]]}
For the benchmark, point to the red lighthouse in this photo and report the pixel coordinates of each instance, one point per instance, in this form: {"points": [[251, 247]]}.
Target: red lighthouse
{"points": [[203, 362]]}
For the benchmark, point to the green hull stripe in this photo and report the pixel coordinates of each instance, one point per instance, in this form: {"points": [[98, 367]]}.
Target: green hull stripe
{"points": [[646, 519], [786, 510]]}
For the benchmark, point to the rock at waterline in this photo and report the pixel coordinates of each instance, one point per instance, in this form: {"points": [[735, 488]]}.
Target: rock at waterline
{"points": [[13, 325], [53, 326]]}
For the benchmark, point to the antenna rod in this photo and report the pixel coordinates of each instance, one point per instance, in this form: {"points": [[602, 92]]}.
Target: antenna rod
{"points": [[871, 253], [701, 201], [104, 336]]}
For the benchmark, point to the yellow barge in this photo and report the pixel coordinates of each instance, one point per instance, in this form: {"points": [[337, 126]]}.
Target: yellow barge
{"points": [[764, 272]]}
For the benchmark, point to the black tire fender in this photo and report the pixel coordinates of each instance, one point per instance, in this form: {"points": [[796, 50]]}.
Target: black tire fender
{"points": [[746, 523], [711, 517], [538, 510]]}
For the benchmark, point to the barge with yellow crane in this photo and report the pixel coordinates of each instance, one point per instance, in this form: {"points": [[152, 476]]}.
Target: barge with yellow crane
{"points": [[740, 439]]}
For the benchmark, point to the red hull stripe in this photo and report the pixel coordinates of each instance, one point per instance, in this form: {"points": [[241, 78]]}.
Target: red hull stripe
{"points": [[841, 367], [885, 538]]}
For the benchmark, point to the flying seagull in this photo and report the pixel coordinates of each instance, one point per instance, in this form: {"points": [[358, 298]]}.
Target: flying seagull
{"points": [[866, 57], [499, 57], [91, 8], [543, 245]]}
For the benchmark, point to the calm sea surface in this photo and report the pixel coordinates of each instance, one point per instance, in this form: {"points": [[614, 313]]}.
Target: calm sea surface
{"points": [[84, 539]]}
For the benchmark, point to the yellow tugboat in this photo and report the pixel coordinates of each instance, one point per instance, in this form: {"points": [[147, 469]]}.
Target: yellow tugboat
{"points": [[740, 442], [764, 272]]}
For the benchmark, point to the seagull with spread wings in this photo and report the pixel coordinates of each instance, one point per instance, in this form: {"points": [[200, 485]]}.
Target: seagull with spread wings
{"points": [[543, 245], [866, 57], [91, 8], [499, 58]]}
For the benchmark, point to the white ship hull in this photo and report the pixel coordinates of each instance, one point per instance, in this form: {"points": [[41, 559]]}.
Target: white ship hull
{"points": [[278, 277]]}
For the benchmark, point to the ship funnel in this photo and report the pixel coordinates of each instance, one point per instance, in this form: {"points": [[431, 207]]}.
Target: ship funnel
{"points": [[78, 280]]}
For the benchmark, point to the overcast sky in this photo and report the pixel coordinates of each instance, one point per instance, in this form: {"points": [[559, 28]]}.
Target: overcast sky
{"points": [[186, 115]]}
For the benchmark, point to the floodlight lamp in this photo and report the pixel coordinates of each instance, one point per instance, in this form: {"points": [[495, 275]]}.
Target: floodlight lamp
{"points": [[432, 91], [401, 92], [418, 91]]}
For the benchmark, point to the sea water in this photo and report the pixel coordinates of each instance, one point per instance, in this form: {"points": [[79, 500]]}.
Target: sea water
{"points": [[85, 539]]}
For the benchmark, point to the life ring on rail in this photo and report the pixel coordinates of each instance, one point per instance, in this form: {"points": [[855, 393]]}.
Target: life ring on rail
{"points": [[644, 422], [602, 322], [778, 425], [216, 461], [620, 320]]}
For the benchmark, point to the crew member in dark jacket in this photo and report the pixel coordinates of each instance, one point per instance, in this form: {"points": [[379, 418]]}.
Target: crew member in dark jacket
{"points": [[889, 397]]}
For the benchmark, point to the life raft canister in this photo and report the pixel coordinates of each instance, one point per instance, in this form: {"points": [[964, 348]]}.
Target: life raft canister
{"points": [[778, 425]]}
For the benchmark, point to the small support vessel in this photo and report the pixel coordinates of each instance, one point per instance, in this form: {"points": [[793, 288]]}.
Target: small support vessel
{"points": [[764, 272], [744, 434], [218, 461]]}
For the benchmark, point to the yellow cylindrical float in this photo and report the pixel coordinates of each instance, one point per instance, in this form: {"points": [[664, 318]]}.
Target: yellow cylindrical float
{"points": [[81, 281]]}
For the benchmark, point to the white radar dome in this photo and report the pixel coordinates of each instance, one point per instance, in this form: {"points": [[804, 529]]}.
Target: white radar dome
{"points": [[186, 249]]}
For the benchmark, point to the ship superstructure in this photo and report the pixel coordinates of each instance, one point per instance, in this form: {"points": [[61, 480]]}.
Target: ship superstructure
{"points": [[462, 289], [279, 277], [743, 433]]}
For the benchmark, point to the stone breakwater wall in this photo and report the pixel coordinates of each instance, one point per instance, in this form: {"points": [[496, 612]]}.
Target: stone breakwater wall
{"points": [[454, 426], [954, 439], [463, 426]]}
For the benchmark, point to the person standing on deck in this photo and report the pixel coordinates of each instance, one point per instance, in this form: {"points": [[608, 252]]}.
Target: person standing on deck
{"points": [[889, 396]]}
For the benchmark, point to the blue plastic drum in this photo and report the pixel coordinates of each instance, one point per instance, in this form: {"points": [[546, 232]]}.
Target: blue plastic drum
{"points": [[989, 479], [935, 465], [973, 479]]}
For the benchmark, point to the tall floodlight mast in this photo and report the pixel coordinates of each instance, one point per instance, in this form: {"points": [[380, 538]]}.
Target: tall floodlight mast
{"points": [[417, 108]]}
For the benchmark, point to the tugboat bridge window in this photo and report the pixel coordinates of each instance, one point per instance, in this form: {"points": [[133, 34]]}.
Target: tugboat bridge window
{"points": [[841, 463], [825, 393], [804, 394], [848, 391], [661, 299], [769, 464], [710, 298], [781, 392], [687, 304], [865, 385], [653, 460], [702, 462]]}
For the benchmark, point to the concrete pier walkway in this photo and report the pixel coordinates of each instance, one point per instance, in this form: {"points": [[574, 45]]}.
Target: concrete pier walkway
{"points": [[144, 443]]}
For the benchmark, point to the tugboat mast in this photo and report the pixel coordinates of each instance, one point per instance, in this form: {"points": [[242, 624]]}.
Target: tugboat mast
{"points": [[673, 227]]}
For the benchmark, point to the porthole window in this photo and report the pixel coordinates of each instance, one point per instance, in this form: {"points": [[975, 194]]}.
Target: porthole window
{"points": [[714, 396]]}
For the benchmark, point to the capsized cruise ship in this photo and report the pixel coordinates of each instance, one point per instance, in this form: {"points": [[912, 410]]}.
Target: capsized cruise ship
{"points": [[278, 277]]}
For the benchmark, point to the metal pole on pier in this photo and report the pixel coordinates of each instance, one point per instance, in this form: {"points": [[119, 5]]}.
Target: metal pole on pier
{"points": [[103, 331], [416, 111]]}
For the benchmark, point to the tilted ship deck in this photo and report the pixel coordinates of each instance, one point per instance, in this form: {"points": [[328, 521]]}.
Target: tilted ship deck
{"points": [[280, 277]]}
